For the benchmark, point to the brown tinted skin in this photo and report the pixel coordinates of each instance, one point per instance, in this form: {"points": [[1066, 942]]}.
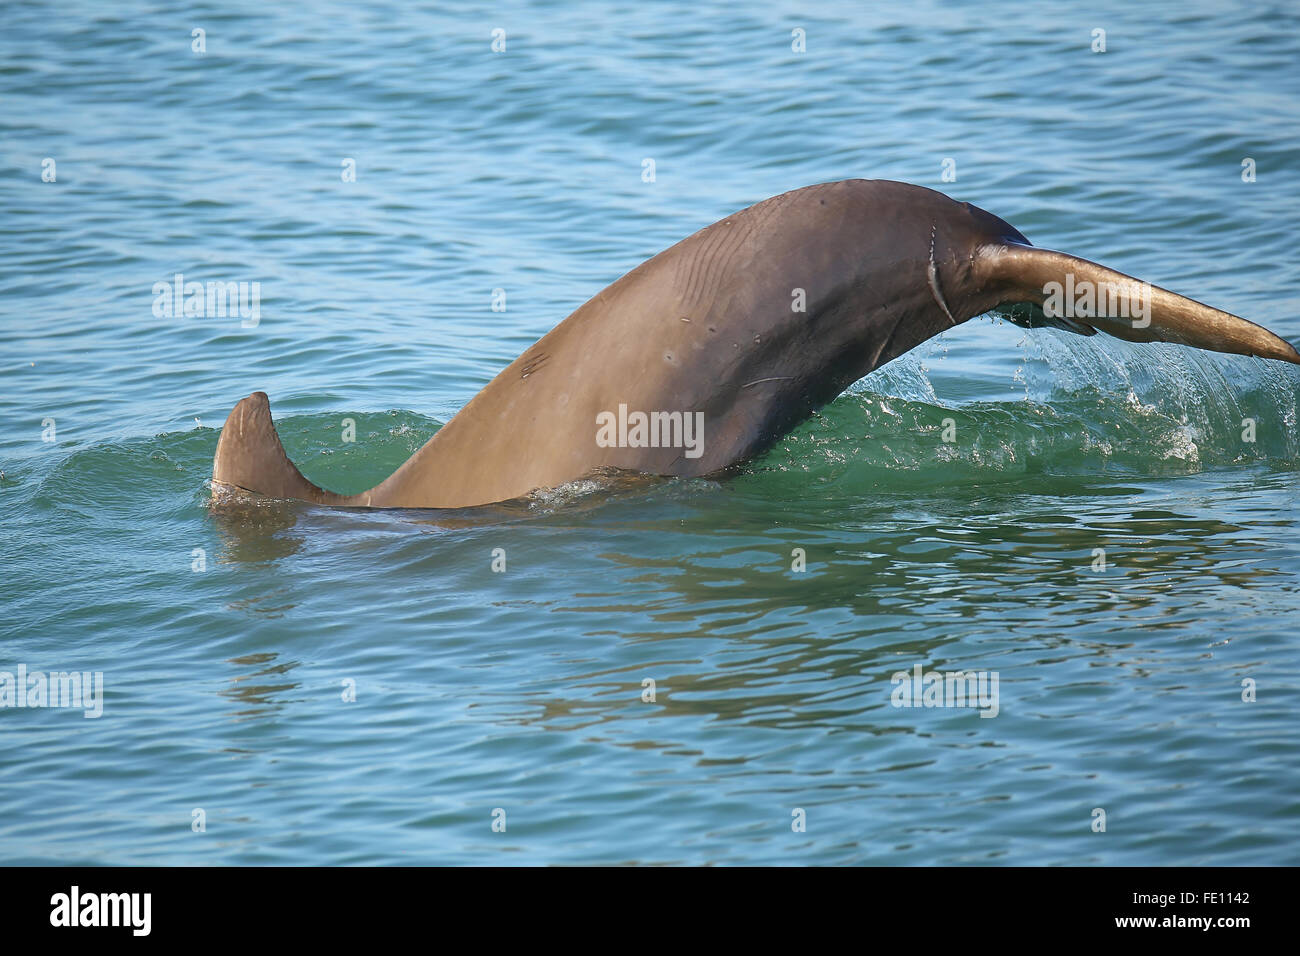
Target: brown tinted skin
{"points": [[710, 325]]}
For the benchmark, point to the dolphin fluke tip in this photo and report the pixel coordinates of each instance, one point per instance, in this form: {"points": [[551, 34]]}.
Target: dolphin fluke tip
{"points": [[1031, 272]]}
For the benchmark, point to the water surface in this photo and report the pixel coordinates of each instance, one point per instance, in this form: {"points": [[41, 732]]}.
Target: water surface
{"points": [[1120, 689]]}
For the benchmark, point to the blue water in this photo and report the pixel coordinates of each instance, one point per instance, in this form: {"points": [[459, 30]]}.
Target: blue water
{"points": [[520, 690]]}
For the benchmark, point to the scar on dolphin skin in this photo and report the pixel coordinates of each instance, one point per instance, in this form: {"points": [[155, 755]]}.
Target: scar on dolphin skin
{"points": [[899, 264], [532, 363], [932, 273]]}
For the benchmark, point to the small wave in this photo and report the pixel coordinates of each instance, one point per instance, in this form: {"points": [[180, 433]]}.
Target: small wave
{"points": [[1091, 408]]}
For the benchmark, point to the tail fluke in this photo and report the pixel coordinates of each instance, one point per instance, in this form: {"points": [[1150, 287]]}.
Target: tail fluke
{"points": [[1122, 306], [250, 457]]}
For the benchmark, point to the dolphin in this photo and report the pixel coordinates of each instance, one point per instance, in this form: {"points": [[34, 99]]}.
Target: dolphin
{"points": [[705, 355]]}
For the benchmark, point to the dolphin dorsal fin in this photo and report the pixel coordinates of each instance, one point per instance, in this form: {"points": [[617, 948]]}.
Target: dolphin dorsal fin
{"points": [[250, 457]]}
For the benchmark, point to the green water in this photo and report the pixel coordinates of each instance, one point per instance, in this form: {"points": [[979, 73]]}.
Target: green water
{"points": [[1111, 529]]}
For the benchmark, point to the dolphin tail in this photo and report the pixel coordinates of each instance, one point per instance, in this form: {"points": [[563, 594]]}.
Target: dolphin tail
{"points": [[250, 457], [1123, 306]]}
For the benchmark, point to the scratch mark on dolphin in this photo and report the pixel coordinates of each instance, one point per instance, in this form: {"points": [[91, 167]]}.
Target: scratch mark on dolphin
{"points": [[933, 272]]}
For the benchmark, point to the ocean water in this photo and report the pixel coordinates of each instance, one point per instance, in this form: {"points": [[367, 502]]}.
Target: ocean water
{"points": [[1105, 536]]}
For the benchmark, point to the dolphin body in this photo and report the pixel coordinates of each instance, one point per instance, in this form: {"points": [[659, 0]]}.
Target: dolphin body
{"points": [[739, 333]]}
